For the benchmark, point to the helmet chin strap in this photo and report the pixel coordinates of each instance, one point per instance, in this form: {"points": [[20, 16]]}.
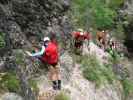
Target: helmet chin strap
{"points": [[46, 44]]}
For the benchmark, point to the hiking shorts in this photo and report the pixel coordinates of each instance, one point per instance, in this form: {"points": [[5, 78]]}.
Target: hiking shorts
{"points": [[54, 71], [78, 44]]}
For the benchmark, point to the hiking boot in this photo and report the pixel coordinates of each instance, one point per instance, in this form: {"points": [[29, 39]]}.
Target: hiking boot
{"points": [[59, 84], [55, 87]]}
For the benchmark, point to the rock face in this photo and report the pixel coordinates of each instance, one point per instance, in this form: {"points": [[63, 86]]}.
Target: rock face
{"points": [[25, 22], [67, 65], [11, 96], [95, 50], [22, 19], [128, 11], [79, 88], [128, 7]]}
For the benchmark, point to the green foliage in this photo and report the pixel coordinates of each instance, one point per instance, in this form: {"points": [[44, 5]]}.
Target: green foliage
{"points": [[115, 3], [20, 58], [62, 96], [10, 82], [119, 31], [33, 85], [80, 14], [93, 71], [2, 40], [94, 13], [114, 56], [104, 17], [127, 86]]}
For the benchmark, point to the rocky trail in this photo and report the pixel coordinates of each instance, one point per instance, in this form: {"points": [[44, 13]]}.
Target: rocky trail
{"points": [[74, 84], [24, 23], [78, 87]]}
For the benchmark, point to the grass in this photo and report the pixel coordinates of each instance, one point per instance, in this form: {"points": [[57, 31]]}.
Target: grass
{"points": [[127, 87], [62, 96], [10, 82], [33, 85], [93, 71]]}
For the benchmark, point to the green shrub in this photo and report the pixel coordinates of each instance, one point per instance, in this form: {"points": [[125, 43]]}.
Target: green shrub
{"points": [[93, 71], [33, 85], [9, 81], [127, 86], [94, 13], [103, 15], [80, 14], [20, 58], [2, 40], [119, 31], [62, 96], [114, 4]]}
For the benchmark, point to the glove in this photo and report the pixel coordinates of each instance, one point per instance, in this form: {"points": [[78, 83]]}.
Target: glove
{"points": [[28, 53]]}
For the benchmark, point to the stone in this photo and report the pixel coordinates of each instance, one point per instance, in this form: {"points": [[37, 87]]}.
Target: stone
{"points": [[11, 96]]}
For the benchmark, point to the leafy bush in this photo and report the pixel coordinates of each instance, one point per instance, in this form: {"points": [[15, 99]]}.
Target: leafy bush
{"points": [[94, 13], [9, 81], [2, 40], [62, 96], [103, 15], [93, 71], [127, 86], [33, 85], [118, 32], [20, 58], [114, 4]]}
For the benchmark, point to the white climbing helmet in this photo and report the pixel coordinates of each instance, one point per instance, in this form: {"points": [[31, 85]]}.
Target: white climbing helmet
{"points": [[80, 30], [103, 31], [46, 39]]}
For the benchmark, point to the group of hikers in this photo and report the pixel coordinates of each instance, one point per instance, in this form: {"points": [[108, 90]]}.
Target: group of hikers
{"points": [[49, 52]]}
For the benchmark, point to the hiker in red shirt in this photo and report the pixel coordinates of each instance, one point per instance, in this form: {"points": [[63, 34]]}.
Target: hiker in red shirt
{"points": [[79, 37], [49, 55]]}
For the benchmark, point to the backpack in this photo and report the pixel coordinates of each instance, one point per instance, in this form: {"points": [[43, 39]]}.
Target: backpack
{"points": [[51, 54]]}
